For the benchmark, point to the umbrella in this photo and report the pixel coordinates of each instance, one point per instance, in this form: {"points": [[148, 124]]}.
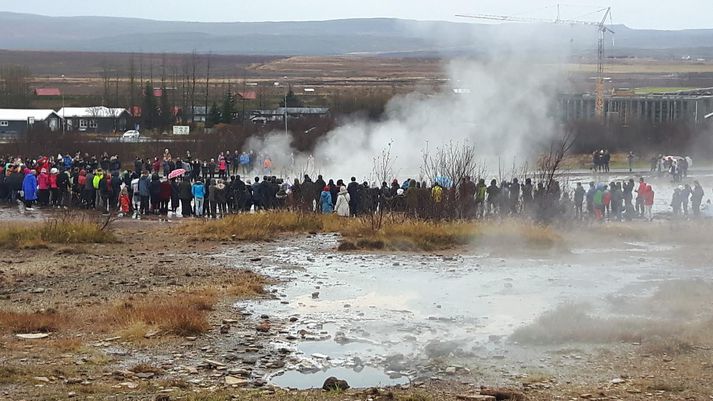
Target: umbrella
{"points": [[176, 173], [444, 181]]}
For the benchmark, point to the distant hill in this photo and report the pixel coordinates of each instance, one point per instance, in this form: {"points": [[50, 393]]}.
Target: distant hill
{"points": [[335, 37]]}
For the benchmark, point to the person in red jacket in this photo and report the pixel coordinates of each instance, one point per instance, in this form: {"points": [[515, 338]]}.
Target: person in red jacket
{"points": [[648, 203], [54, 188], [164, 198], [43, 186], [640, 196]]}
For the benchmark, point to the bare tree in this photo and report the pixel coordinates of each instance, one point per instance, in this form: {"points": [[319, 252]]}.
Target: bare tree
{"points": [[550, 163], [383, 165], [207, 83], [15, 86], [453, 162], [193, 82]]}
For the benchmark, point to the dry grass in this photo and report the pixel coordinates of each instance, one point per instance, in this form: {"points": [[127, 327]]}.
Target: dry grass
{"points": [[401, 234], [252, 227], [35, 322], [181, 315], [55, 231]]}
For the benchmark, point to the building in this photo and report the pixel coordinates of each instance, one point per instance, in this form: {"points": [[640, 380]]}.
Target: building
{"points": [[19, 121], [625, 107], [279, 114], [96, 119], [47, 92]]}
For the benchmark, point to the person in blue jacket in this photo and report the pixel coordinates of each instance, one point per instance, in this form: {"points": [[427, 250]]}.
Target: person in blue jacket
{"points": [[198, 191], [325, 201], [29, 188]]}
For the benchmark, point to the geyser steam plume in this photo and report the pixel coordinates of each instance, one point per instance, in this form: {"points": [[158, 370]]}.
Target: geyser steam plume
{"points": [[503, 107]]}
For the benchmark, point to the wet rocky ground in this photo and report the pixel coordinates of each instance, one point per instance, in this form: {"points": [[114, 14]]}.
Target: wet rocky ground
{"points": [[411, 320]]}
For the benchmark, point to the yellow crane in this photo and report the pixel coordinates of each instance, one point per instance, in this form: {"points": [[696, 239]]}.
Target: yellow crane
{"points": [[601, 28]]}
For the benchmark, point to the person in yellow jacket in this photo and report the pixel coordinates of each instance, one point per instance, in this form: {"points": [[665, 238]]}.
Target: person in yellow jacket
{"points": [[95, 183], [437, 193]]}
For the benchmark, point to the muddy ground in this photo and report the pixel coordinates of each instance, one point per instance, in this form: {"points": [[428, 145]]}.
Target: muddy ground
{"points": [[655, 345]]}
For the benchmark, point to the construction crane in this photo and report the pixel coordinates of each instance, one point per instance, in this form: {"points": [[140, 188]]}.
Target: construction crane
{"points": [[601, 28]]}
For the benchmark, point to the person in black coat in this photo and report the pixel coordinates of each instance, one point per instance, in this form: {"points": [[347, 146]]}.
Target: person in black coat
{"points": [[185, 195], [155, 193]]}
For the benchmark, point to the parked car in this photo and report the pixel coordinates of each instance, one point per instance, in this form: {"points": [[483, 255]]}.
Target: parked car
{"points": [[130, 136]]}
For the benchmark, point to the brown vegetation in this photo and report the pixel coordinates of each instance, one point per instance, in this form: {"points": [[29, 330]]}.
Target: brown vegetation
{"points": [[402, 234], [65, 230]]}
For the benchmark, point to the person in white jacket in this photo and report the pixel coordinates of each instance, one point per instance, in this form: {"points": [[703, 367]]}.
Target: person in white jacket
{"points": [[342, 206]]}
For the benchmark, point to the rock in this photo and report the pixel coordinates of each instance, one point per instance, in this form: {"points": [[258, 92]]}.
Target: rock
{"points": [[263, 327], [38, 290], [225, 329], [334, 384], [71, 394], [129, 385], [341, 338], [293, 319], [32, 336], [617, 381], [145, 375], [229, 321], [476, 397], [235, 381], [451, 370], [162, 397], [255, 259], [585, 396], [151, 334], [315, 295], [213, 364], [250, 359], [42, 379]]}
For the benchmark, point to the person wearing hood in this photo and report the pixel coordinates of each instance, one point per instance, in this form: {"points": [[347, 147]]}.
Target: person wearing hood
{"points": [[221, 198], [342, 206], [29, 189], [54, 187], [325, 201], [43, 185]]}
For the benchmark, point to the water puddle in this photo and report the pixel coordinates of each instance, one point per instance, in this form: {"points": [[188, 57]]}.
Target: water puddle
{"points": [[376, 319]]}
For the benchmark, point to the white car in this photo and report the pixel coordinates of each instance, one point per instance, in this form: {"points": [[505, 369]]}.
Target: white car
{"points": [[130, 136]]}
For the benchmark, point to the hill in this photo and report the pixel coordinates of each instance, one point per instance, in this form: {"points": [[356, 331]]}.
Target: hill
{"points": [[336, 37]]}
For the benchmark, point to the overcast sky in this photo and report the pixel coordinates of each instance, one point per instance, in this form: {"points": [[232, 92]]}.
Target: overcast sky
{"points": [[680, 14]]}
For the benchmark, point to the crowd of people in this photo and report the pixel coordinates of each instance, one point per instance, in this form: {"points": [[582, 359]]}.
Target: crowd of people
{"points": [[219, 186]]}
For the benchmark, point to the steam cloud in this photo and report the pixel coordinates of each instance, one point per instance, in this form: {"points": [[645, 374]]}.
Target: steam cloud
{"points": [[505, 112]]}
